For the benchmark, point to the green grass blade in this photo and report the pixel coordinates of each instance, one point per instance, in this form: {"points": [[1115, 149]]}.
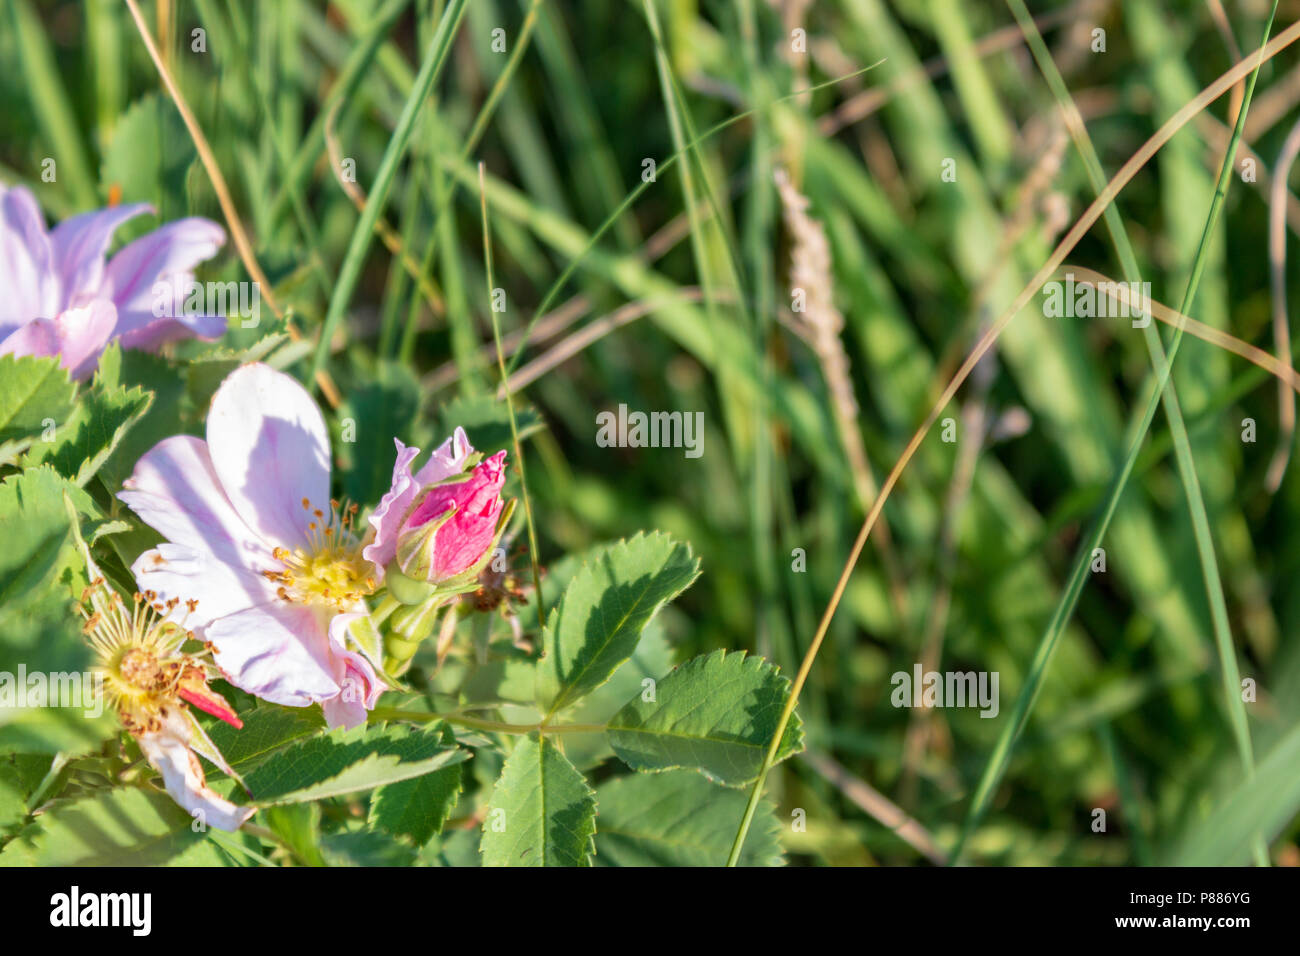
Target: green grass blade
{"points": [[355, 70], [51, 106], [1001, 755], [510, 403], [350, 271]]}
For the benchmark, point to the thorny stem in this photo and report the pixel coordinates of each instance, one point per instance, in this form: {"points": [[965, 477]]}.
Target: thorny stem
{"points": [[386, 607]]}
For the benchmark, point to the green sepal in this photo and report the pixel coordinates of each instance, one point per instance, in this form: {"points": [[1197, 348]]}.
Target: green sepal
{"points": [[415, 547], [368, 641]]}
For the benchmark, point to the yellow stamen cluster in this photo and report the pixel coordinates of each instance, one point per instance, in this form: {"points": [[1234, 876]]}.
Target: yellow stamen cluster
{"points": [[329, 570], [139, 653]]}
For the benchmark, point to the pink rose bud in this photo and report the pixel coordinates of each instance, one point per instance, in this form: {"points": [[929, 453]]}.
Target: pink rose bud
{"points": [[454, 526]]}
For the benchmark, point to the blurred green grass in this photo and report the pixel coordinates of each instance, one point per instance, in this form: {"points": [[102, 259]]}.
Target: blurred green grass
{"points": [[1131, 716]]}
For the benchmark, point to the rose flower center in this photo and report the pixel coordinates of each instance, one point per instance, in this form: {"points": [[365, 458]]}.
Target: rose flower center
{"points": [[329, 570]]}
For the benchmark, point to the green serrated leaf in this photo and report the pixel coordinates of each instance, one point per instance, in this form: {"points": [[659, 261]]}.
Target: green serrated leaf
{"points": [[542, 813], [165, 416], [34, 394], [31, 769], [51, 730], [598, 621], [716, 714], [35, 529], [268, 338], [678, 818], [93, 432], [268, 729], [349, 761], [418, 808], [129, 826], [40, 572]]}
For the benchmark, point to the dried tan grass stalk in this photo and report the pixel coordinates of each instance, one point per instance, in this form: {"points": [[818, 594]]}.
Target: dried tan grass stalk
{"points": [[821, 324], [243, 245]]}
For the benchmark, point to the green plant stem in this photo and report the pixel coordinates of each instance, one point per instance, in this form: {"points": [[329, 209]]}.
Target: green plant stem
{"points": [[444, 191], [477, 723], [387, 605]]}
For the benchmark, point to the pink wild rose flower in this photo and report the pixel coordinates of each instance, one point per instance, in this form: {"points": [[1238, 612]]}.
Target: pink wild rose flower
{"points": [[253, 535], [62, 298]]}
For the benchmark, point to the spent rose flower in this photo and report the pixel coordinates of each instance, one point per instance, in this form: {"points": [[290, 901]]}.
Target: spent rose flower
{"points": [[62, 298], [148, 680], [442, 522], [253, 535]]}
